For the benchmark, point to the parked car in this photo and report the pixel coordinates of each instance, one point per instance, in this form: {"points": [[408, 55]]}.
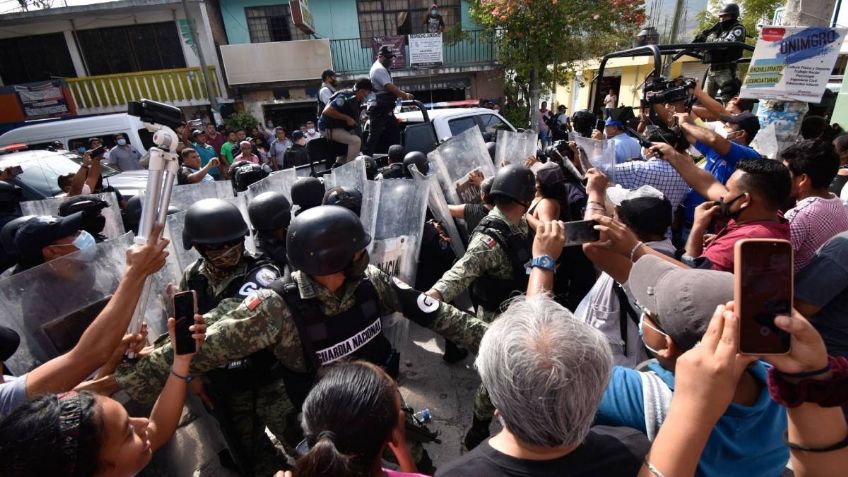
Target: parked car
{"points": [[424, 130], [74, 133]]}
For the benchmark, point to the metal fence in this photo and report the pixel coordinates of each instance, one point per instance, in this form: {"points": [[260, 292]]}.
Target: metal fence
{"points": [[467, 48]]}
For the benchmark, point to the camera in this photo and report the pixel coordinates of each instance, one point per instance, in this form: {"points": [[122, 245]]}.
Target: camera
{"points": [[155, 112], [662, 91]]}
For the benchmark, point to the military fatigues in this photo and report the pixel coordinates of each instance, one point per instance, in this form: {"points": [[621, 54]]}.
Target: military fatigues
{"points": [[248, 397], [722, 75]]}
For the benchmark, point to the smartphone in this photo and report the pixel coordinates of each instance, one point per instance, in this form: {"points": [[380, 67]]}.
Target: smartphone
{"points": [[15, 171], [98, 151], [185, 306], [763, 289], [600, 125], [580, 232]]}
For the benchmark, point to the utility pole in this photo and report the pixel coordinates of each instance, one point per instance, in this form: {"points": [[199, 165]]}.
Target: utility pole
{"points": [[210, 86], [809, 13]]}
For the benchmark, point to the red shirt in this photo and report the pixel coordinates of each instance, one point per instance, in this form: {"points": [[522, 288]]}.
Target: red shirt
{"points": [[720, 250], [216, 143]]}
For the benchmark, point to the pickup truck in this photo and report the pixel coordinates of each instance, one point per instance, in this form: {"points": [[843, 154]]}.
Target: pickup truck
{"points": [[424, 130]]}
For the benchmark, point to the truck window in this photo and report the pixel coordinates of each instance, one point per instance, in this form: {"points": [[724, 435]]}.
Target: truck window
{"points": [[489, 123], [76, 143], [459, 125], [146, 139]]}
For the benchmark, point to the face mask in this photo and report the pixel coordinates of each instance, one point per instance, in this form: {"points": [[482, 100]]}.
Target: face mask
{"points": [[642, 323], [81, 150], [86, 245], [357, 267], [122, 142], [434, 13], [311, 130], [727, 23], [225, 258], [724, 208]]}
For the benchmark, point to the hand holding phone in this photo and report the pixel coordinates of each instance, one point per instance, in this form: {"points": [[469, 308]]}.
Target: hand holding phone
{"points": [[600, 125], [185, 307], [97, 152], [580, 232], [763, 290]]}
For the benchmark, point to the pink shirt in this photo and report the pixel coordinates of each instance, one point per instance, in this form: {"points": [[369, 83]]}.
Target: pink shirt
{"points": [[720, 250], [252, 158], [813, 222], [397, 473]]}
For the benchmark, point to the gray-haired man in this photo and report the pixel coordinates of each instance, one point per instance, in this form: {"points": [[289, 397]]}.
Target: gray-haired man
{"points": [[546, 372]]}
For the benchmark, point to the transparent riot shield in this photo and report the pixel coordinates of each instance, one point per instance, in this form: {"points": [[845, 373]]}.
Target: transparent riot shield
{"points": [[515, 147], [184, 196], [396, 223], [114, 227], [281, 181], [455, 158], [351, 174], [52, 304], [241, 202], [438, 206], [182, 258], [600, 153]]}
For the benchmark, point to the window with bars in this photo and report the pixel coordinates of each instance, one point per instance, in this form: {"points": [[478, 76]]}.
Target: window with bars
{"points": [[126, 49], [272, 23], [401, 17], [35, 58]]}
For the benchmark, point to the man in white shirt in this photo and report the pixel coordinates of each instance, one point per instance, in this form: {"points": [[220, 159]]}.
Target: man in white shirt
{"points": [[610, 101]]}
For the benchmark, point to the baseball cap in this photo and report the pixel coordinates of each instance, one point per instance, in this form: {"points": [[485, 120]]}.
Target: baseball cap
{"points": [[298, 134], [747, 121], [386, 52], [550, 173], [681, 300], [197, 132], [617, 194], [613, 122], [42, 231]]}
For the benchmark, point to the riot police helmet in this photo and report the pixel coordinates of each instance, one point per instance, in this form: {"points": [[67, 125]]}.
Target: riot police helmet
{"points": [[213, 222], [514, 182], [248, 174], [730, 9], [419, 159], [395, 153], [490, 146], [583, 122], [131, 214], [346, 197], [371, 169], [306, 193], [269, 211], [324, 240], [7, 234]]}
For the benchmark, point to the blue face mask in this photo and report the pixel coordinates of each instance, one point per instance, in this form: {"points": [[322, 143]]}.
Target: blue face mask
{"points": [[81, 150], [86, 245]]}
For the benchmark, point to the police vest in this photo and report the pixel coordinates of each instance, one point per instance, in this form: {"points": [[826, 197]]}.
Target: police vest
{"points": [[393, 171], [726, 55], [356, 333], [490, 292], [344, 102]]}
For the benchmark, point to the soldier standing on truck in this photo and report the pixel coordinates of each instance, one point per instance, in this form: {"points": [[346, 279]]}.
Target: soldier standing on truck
{"points": [[384, 129]]}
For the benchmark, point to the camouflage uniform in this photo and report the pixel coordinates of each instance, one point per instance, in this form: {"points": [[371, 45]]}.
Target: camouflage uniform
{"points": [[484, 258], [722, 74], [263, 320], [247, 408]]}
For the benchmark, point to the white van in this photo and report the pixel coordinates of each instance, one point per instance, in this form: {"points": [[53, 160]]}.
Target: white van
{"points": [[74, 133]]}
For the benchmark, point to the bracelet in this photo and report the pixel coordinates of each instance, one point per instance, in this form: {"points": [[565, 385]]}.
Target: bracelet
{"points": [[599, 203], [635, 248], [830, 392], [653, 470], [187, 378], [839, 445], [805, 374]]}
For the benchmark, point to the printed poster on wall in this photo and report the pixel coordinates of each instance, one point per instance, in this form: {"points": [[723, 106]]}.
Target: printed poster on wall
{"points": [[396, 43], [792, 63], [425, 50]]}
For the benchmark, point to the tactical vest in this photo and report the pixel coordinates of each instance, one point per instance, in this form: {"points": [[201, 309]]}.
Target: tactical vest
{"points": [[726, 55], [490, 292], [356, 333], [393, 171], [350, 107]]}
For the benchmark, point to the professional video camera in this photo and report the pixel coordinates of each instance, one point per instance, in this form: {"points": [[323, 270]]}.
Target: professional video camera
{"points": [[662, 91]]}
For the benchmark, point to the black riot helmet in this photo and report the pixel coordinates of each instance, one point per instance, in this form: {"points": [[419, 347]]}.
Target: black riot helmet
{"points": [[583, 122], [395, 153], [307, 192], [212, 222], [731, 9], [131, 214], [7, 234], [371, 169], [490, 146], [419, 159], [247, 174], [349, 198], [269, 211], [323, 240], [514, 182]]}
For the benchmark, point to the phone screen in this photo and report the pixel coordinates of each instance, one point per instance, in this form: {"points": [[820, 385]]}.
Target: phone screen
{"points": [[184, 316], [600, 125], [764, 270], [580, 232]]}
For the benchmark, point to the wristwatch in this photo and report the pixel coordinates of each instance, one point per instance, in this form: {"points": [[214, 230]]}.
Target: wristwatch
{"points": [[545, 262]]}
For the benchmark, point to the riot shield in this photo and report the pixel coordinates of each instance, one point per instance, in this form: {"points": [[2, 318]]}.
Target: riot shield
{"points": [[184, 196], [438, 206], [241, 202], [52, 304], [600, 153], [182, 258], [281, 181], [396, 223], [515, 147], [114, 227], [455, 158], [351, 174]]}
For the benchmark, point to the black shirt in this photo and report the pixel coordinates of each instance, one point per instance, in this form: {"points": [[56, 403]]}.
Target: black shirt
{"points": [[607, 452], [474, 213], [838, 183]]}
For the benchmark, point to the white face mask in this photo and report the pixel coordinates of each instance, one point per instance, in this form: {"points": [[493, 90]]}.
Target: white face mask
{"points": [[311, 130], [122, 142]]}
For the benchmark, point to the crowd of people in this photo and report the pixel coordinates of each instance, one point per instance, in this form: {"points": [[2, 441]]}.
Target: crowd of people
{"points": [[615, 356]]}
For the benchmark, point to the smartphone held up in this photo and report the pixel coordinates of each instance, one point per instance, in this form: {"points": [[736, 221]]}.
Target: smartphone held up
{"points": [[185, 306], [763, 290], [580, 232]]}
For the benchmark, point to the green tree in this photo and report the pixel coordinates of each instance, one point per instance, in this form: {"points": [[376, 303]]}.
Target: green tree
{"points": [[241, 120], [540, 41]]}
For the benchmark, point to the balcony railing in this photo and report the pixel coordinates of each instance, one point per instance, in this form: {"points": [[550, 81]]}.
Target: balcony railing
{"points": [[110, 93], [469, 48]]}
